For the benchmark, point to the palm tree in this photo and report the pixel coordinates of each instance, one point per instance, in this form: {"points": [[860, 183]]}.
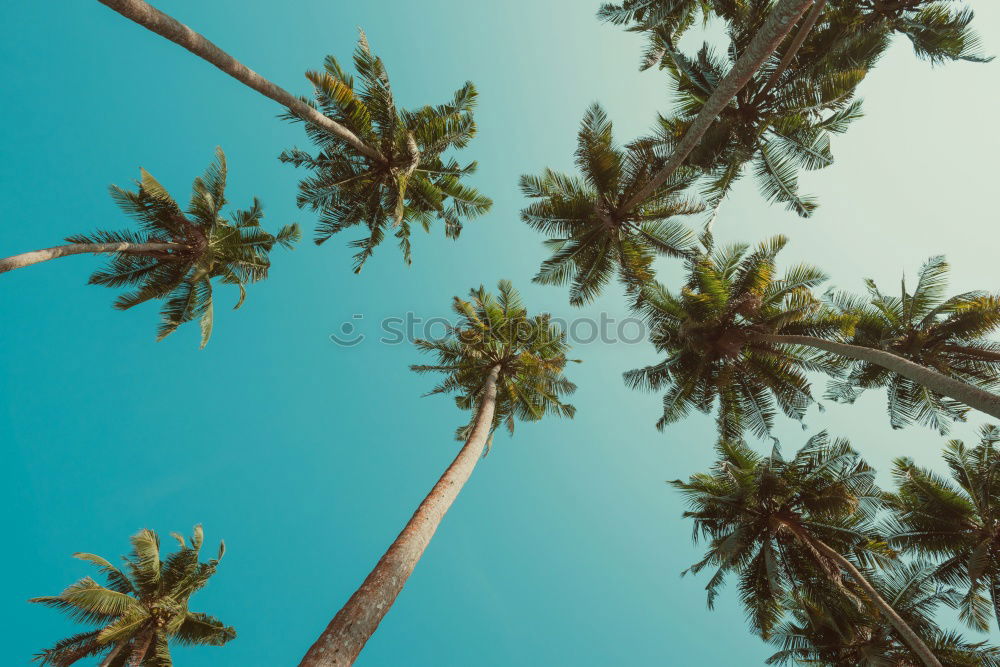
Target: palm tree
{"points": [[930, 329], [501, 364], [409, 184], [841, 630], [955, 521], [142, 609], [779, 525], [780, 121], [592, 238], [175, 254], [740, 334]]}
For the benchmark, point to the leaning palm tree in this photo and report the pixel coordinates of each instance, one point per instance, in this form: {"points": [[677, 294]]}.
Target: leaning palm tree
{"points": [[779, 526], [175, 254], [591, 237], [956, 521], [846, 630], [947, 334], [739, 333], [501, 364], [410, 184], [142, 608]]}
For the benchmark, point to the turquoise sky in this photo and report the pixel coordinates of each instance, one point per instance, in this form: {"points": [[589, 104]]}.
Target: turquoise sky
{"points": [[307, 458]]}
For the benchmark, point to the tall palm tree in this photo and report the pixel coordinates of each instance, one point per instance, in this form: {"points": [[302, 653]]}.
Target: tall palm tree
{"points": [[411, 183], [142, 608], [739, 333], [841, 630], [781, 121], [779, 525], [956, 521], [947, 334], [175, 254], [501, 364], [591, 237]]}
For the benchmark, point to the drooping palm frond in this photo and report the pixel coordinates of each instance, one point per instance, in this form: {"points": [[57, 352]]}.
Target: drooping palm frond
{"points": [[147, 600], [496, 331], [413, 183]]}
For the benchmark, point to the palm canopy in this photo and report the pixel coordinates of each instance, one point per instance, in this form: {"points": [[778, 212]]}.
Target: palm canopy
{"points": [[707, 334], [411, 184], [143, 606], [590, 236], [781, 122], [955, 521], [842, 630], [497, 332], [761, 517], [206, 246], [947, 334]]}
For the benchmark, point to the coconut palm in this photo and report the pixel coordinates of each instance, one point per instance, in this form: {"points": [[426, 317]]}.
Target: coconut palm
{"points": [[956, 521], [782, 526], [409, 184], [845, 630], [947, 334], [501, 364], [142, 609], [739, 333], [590, 237], [176, 254]]}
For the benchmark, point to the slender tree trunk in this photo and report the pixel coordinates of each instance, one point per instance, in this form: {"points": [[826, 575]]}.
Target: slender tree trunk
{"points": [[44, 255], [109, 658], [995, 596], [141, 649], [962, 392], [906, 632], [347, 633], [780, 22], [796, 44], [150, 17]]}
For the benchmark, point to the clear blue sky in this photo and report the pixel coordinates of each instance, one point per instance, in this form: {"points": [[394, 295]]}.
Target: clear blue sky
{"points": [[566, 546]]}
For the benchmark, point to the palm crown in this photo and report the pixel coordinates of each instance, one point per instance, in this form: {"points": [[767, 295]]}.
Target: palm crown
{"points": [[205, 246], [591, 237], [142, 608], [707, 332], [496, 331], [411, 184], [761, 516], [946, 334], [955, 521]]}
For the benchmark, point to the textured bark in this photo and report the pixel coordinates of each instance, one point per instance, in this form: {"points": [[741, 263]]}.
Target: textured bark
{"points": [[962, 392], [142, 644], [780, 22], [110, 657], [150, 17], [44, 255], [796, 44], [347, 633], [906, 632]]}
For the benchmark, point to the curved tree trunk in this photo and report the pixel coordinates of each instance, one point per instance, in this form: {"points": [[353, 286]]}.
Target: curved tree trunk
{"points": [[110, 657], [44, 255], [347, 633], [780, 22], [142, 644], [963, 392], [906, 632], [150, 17], [800, 37]]}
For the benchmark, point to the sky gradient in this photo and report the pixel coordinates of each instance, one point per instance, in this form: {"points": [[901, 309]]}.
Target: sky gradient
{"points": [[566, 546]]}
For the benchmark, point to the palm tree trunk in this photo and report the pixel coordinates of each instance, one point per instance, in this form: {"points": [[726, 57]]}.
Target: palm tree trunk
{"points": [[796, 44], [780, 22], [995, 596], [962, 392], [347, 633], [110, 657], [44, 255], [150, 17], [906, 632], [141, 649]]}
